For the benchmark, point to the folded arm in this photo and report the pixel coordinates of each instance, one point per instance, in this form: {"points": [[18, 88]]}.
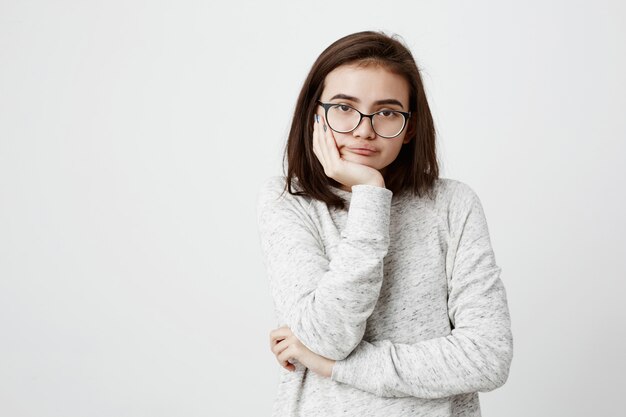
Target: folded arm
{"points": [[325, 304], [477, 354]]}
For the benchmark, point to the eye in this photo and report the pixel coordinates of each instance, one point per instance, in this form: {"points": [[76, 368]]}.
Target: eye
{"points": [[388, 113], [344, 108]]}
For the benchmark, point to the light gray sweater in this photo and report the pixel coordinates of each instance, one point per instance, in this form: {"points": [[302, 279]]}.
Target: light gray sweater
{"points": [[402, 291]]}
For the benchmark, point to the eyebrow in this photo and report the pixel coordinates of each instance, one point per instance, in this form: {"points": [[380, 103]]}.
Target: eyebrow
{"points": [[356, 100]]}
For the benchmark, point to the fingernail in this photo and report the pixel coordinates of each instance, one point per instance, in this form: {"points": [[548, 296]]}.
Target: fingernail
{"points": [[324, 128], [317, 118]]}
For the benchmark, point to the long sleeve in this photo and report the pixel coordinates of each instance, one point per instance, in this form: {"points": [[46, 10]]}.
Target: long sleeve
{"points": [[477, 354], [325, 303]]}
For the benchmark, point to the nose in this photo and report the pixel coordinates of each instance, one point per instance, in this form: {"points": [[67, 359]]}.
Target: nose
{"points": [[365, 129]]}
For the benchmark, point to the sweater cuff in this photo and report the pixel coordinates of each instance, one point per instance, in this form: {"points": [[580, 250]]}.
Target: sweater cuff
{"points": [[369, 211], [359, 368]]}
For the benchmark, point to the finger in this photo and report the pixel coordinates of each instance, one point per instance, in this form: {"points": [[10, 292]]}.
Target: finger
{"points": [[280, 346], [328, 149], [332, 153], [285, 356], [314, 137], [324, 148], [317, 145], [285, 364], [279, 334]]}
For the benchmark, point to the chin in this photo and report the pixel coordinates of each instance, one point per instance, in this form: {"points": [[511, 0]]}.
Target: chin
{"points": [[362, 160], [355, 157]]}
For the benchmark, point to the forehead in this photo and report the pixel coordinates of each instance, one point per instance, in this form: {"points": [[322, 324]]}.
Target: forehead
{"points": [[367, 83]]}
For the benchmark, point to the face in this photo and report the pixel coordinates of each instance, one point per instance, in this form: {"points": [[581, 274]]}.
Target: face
{"points": [[368, 89]]}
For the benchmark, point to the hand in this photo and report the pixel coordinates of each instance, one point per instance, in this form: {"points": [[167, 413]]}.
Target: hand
{"points": [[286, 346], [343, 171]]}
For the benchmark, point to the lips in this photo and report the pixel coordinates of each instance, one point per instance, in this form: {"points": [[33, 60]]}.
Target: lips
{"points": [[362, 151]]}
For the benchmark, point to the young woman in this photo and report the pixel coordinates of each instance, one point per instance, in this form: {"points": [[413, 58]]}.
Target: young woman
{"points": [[384, 281]]}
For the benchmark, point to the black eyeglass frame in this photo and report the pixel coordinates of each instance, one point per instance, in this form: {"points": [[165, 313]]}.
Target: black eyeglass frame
{"points": [[326, 106]]}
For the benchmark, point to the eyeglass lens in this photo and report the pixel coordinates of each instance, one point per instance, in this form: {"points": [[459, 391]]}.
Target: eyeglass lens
{"points": [[345, 119]]}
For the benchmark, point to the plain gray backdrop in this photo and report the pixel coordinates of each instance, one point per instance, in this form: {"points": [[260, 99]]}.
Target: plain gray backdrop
{"points": [[134, 136]]}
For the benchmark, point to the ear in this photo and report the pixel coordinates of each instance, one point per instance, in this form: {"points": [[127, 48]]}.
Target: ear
{"points": [[410, 131]]}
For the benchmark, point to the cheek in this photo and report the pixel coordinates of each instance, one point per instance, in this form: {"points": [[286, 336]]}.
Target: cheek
{"points": [[393, 151], [340, 140]]}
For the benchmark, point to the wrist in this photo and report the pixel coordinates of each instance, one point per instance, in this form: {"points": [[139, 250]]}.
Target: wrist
{"points": [[375, 179], [329, 368], [377, 182]]}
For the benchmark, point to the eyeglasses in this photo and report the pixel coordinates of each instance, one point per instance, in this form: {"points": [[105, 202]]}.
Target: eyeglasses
{"points": [[343, 118]]}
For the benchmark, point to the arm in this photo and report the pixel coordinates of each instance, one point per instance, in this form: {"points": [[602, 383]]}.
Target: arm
{"points": [[325, 304], [476, 356]]}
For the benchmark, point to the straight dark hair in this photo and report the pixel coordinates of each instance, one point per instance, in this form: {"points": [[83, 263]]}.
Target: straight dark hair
{"points": [[415, 169]]}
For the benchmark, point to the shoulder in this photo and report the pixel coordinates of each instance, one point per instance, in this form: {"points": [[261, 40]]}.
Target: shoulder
{"points": [[276, 186], [279, 212], [271, 186], [451, 191], [454, 200], [273, 193]]}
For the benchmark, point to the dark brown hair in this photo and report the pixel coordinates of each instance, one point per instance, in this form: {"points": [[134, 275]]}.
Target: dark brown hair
{"points": [[415, 169]]}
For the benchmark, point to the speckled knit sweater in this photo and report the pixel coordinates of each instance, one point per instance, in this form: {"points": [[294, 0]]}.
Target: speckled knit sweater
{"points": [[402, 291]]}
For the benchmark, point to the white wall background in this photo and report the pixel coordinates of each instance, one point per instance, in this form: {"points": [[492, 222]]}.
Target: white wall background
{"points": [[134, 136]]}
